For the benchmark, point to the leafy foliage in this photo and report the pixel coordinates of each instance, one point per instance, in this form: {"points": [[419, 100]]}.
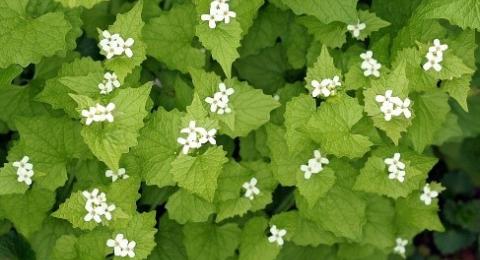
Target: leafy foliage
{"points": [[210, 142]]}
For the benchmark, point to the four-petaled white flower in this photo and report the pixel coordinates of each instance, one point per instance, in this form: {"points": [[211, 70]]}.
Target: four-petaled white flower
{"points": [[24, 170], [392, 106], [251, 189], [97, 207], [428, 194], [326, 87], [314, 165], [400, 246], [219, 101], [219, 11], [110, 81], [119, 174], [355, 29], [276, 235], [121, 246], [370, 66], [196, 137], [396, 168], [99, 113], [114, 45], [435, 56]]}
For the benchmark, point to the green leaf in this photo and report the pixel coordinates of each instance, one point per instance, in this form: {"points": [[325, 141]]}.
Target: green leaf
{"points": [[128, 25], [317, 186], [169, 241], [51, 148], [141, 229], [331, 127], [87, 246], [157, 146], [16, 100], [43, 241], [209, 241], [463, 13], [27, 211], [372, 22], [323, 68], [331, 35], [76, 3], [374, 175], [84, 85], [8, 181], [431, 111], [180, 206], [458, 89], [199, 174], [56, 94], [27, 40], [341, 211], [223, 42], [292, 251], [413, 216], [297, 113], [246, 11], [397, 82], [169, 38], [108, 141], [325, 10], [380, 229], [418, 80], [254, 241]]}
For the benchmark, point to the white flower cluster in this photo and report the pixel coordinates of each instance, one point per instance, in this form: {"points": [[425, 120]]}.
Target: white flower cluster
{"points": [[219, 101], [355, 29], [315, 165], [110, 81], [219, 11], [393, 106], [96, 206], [120, 174], [115, 45], [400, 247], [396, 168], [370, 66], [196, 137], [435, 56], [121, 246], [24, 170], [276, 235], [99, 113], [326, 87], [428, 194], [251, 189]]}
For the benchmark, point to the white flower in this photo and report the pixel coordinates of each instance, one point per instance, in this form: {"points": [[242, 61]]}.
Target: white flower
{"points": [[121, 246], [428, 194], [400, 246], [438, 48], [276, 235], [196, 136], [219, 101], [394, 163], [211, 18], [355, 29], [389, 110], [370, 66], [99, 113], [405, 108], [127, 45], [315, 165], [219, 11], [89, 115], [23, 163], [25, 176], [250, 188], [96, 206], [24, 170], [398, 175], [433, 62], [120, 174], [327, 87], [110, 81]]}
